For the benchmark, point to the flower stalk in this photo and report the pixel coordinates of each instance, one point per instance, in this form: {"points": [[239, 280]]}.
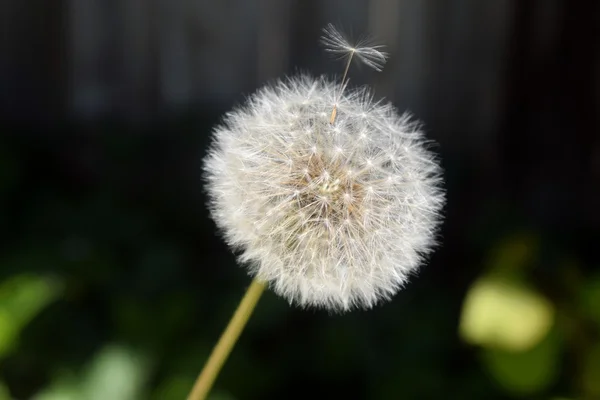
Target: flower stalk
{"points": [[226, 342]]}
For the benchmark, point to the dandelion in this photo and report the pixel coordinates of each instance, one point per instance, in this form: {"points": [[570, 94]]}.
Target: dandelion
{"points": [[334, 215], [330, 198]]}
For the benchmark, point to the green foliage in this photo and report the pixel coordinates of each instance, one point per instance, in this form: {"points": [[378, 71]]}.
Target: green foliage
{"points": [[525, 372], [505, 314], [116, 373], [4, 392], [21, 298]]}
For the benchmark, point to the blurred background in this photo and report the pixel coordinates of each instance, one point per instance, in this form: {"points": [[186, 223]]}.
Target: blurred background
{"points": [[114, 284]]}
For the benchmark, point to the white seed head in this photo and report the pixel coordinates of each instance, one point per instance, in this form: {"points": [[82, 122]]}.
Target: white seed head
{"points": [[334, 215]]}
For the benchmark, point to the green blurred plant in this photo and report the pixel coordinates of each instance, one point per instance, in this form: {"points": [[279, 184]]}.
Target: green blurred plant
{"points": [[22, 297], [115, 373], [522, 334]]}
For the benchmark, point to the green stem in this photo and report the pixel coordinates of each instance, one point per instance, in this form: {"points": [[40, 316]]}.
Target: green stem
{"points": [[226, 342]]}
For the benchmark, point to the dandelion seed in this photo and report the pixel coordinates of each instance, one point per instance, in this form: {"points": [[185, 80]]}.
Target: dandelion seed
{"points": [[335, 43]]}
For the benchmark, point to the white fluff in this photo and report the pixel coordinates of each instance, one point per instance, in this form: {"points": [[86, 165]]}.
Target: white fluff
{"points": [[331, 215], [335, 43]]}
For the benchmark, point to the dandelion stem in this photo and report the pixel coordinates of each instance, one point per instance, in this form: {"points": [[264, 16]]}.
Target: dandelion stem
{"points": [[334, 112], [226, 342]]}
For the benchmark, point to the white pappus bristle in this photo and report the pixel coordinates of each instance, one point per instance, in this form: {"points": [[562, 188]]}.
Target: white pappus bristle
{"points": [[335, 43]]}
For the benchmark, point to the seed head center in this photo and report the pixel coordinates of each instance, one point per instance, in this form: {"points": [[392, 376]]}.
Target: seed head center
{"points": [[330, 187]]}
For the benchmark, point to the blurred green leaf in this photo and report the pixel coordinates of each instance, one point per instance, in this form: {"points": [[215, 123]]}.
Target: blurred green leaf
{"points": [[22, 297], [117, 373], [4, 393], [528, 372], [504, 314], [8, 332]]}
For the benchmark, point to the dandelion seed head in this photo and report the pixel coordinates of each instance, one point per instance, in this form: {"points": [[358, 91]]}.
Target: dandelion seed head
{"points": [[327, 219]]}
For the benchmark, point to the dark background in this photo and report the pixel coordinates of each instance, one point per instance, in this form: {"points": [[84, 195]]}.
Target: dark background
{"points": [[115, 285]]}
